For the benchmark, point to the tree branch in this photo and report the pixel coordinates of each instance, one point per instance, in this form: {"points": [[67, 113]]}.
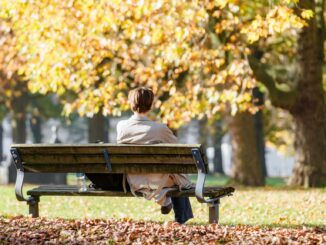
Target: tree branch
{"points": [[279, 98], [320, 18]]}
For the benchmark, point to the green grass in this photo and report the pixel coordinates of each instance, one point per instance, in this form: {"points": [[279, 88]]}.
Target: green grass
{"points": [[268, 206], [212, 180], [221, 180]]}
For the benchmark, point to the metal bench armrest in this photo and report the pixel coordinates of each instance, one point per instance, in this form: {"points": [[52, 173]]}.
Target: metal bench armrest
{"points": [[200, 184], [20, 175]]}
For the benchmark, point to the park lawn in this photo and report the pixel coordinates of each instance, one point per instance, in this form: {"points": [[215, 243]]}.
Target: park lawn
{"points": [[268, 206]]}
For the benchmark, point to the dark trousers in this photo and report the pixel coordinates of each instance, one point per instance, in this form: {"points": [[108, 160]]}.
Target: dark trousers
{"points": [[182, 209]]}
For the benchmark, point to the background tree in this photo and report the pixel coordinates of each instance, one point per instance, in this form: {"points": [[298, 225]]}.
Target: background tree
{"points": [[2, 115], [126, 52], [246, 168], [99, 50], [13, 87], [98, 128], [216, 133], [306, 100], [16, 100], [41, 108]]}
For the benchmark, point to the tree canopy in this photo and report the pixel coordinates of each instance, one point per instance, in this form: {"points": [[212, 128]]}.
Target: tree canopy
{"points": [[192, 53]]}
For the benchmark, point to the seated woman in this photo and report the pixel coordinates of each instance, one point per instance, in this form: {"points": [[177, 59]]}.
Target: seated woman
{"points": [[138, 129]]}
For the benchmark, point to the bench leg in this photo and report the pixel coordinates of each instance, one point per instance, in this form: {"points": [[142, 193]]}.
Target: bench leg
{"points": [[33, 206], [213, 210]]}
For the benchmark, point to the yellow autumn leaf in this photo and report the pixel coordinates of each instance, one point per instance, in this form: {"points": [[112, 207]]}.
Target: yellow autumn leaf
{"points": [[307, 14]]}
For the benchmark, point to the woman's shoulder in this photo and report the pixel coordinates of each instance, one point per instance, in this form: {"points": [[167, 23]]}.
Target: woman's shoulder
{"points": [[132, 122], [122, 123], [159, 125], [162, 127]]}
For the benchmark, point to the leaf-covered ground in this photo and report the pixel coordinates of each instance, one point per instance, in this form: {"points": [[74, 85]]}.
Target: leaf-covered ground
{"points": [[25, 230]]}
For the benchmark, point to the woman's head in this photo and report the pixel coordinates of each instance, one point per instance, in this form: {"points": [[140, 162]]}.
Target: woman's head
{"points": [[141, 99]]}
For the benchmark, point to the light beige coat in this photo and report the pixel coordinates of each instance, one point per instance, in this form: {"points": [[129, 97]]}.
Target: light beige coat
{"points": [[139, 129]]}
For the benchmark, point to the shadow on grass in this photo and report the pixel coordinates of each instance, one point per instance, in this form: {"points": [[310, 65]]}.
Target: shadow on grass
{"points": [[271, 225], [271, 183], [222, 180]]}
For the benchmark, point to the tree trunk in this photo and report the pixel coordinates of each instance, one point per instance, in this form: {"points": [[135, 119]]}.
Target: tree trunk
{"points": [[18, 124], [36, 127], [215, 138], [202, 137], [19, 120], [259, 128], [310, 146], [309, 110], [1, 142], [98, 129], [307, 102], [217, 144], [246, 169]]}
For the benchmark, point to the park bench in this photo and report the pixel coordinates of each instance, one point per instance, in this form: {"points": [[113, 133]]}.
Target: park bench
{"points": [[113, 158]]}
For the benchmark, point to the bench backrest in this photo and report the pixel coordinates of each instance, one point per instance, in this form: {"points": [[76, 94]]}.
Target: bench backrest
{"points": [[89, 158]]}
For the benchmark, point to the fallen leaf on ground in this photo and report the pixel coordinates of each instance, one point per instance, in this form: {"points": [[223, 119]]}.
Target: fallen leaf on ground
{"points": [[25, 230]]}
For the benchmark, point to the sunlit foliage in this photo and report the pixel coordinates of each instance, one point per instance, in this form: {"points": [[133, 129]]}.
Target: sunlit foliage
{"points": [[192, 53], [12, 86]]}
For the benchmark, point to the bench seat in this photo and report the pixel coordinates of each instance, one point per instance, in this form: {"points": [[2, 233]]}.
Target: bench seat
{"points": [[113, 158], [71, 190]]}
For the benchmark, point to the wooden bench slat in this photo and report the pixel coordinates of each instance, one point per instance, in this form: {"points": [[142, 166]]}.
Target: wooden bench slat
{"points": [[65, 190], [89, 158], [116, 168], [114, 159], [169, 149]]}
